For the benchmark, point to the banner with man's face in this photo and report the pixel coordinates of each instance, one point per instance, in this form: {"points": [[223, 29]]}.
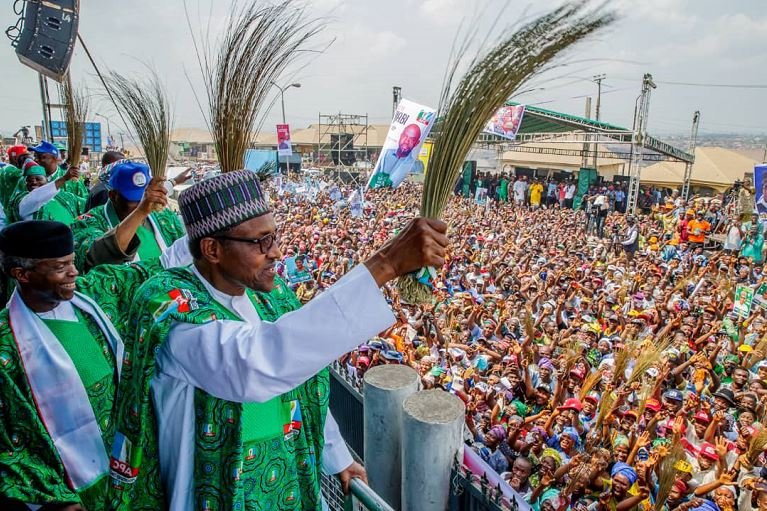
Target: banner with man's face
{"points": [[409, 128]]}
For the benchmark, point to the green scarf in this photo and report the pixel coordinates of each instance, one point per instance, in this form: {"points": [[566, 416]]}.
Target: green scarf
{"points": [[276, 473]]}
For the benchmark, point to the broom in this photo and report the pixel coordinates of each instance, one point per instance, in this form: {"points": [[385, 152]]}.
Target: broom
{"points": [[76, 108], [492, 78], [146, 106], [259, 44], [667, 474]]}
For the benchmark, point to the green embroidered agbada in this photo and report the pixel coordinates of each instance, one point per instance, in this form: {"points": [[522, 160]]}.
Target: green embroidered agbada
{"points": [[9, 180], [65, 207], [247, 456], [31, 469], [76, 187], [101, 219]]}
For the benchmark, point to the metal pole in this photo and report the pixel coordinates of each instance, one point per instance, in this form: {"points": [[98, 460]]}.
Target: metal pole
{"points": [[432, 437], [386, 388], [47, 131], [638, 141], [598, 79], [585, 157], [282, 100], [691, 149]]}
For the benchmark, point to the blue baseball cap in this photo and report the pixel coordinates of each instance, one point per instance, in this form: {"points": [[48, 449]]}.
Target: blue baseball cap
{"points": [[129, 179], [46, 148], [673, 395]]}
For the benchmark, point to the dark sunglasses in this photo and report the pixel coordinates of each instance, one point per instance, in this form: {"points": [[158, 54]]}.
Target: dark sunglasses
{"points": [[264, 242]]}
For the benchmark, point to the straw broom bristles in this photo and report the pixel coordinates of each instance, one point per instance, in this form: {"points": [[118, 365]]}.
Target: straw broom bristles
{"points": [[756, 445], [492, 78], [76, 107], [148, 111], [260, 42], [590, 382], [647, 358], [667, 474]]}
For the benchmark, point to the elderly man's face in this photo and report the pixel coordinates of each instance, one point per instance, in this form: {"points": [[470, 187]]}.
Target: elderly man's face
{"points": [[244, 264], [50, 281]]}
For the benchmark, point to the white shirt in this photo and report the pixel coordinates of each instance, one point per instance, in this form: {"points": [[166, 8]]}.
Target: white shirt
{"points": [[569, 192], [255, 360]]}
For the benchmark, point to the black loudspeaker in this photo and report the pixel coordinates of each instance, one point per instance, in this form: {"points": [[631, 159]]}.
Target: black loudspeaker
{"points": [[47, 39]]}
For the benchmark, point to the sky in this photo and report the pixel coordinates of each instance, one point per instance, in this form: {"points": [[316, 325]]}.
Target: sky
{"points": [[373, 45]]}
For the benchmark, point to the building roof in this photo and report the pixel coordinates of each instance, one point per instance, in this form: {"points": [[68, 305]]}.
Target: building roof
{"points": [[376, 135], [714, 167]]}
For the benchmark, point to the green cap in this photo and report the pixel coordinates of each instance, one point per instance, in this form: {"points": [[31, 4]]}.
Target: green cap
{"points": [[34, 170]]}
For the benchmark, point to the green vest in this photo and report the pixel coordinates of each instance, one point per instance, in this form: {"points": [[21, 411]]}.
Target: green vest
{"points": [[253, 456]]}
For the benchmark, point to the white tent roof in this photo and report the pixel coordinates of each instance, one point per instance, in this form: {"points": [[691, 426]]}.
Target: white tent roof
{"points": [[714, 167]]}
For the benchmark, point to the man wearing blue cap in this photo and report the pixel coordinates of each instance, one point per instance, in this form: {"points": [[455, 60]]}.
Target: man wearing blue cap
{"points": [[120, 227]]}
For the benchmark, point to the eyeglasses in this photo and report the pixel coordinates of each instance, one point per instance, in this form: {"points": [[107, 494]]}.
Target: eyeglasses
{"points": [[264, 242]]}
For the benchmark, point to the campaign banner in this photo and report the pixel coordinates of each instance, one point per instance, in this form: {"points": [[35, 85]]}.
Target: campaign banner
{"points": [[473, 462], [408, 131], [423, 157], [506, 121], [284, 145], [744, 296], [760, 296], [760, 185], [480, 196], [296, 270]]}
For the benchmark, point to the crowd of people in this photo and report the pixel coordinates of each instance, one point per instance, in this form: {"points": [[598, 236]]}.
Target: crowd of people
{"points": [[604, 365], [606, 361]]}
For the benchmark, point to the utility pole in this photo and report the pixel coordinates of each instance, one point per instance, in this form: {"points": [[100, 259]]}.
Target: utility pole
{"points": [[638, 141], [598, 79], [587, 115], [396, 98], [691, 149], [45, 100]]}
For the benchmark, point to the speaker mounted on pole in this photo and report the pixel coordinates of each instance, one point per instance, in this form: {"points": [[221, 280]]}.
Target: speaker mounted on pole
{"points": [[47, 39]]}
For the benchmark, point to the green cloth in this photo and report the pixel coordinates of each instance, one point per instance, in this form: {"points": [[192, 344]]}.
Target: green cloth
{"points": [[503, 190], [272, 470], [30, 468], [148, 247], [381, 180], [34, 170], [101, 219], [76, 187], [753, 243], [64, 207], [9, 179]]}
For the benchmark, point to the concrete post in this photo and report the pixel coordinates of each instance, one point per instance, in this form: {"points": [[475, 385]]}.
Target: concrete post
{"points": [[385, 388], [432, 436]]}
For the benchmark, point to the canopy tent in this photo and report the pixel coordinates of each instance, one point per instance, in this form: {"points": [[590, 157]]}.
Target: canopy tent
{"points": [[714, 167]]}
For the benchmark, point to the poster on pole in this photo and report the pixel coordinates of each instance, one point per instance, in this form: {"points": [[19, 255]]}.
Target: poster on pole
{"points": [[408, 131], [506, 121], [760, 185], [744, 295], [296, 270], [424, 156], [284, 145]]}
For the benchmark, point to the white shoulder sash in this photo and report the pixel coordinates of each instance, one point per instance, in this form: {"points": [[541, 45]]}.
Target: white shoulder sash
{"points": [[61, 399]]}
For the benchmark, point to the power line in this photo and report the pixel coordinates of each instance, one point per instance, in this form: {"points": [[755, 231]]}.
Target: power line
{"points": [[702, 84]]}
